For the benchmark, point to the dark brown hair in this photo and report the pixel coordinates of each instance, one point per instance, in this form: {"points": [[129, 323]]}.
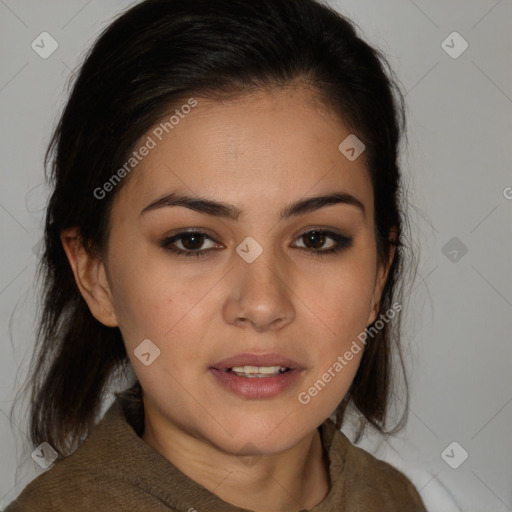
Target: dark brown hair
{"points": [[151, 57]]}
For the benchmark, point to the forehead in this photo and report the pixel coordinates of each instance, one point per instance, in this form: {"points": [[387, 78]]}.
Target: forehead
{"points": [[259, 149]]}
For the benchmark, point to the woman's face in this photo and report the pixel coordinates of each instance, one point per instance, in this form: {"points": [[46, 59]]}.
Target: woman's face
{"points": [[264, 291]]}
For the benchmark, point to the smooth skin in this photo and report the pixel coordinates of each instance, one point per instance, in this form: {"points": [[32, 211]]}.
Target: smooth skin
{"points": [[259, 152]]}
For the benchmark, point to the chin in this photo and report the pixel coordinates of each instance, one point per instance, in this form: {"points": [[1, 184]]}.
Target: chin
{"points": [[257, 434]]}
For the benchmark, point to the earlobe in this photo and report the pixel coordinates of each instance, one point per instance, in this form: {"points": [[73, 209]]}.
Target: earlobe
{"points": [[90, 277]]}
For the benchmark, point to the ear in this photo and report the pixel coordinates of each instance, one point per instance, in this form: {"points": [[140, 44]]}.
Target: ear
{"points": [[381, 278], [90, 277]]}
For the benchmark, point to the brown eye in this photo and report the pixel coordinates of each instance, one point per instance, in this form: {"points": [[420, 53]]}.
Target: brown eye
{"points": [[189, 243], [315, 242], [192, 241], [314, 239]]}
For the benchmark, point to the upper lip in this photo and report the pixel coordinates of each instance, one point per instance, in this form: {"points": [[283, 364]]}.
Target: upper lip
{"points": [[248, 359]]}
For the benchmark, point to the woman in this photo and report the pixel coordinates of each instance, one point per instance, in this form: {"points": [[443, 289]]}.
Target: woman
{"points": [[226, 223]]}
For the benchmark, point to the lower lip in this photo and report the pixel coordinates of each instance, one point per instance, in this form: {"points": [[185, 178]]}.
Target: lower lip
{"points": [[256, 387]]}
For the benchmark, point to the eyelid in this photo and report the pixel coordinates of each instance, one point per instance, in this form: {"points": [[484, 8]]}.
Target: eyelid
{"points": [[185, 231], [325, 229], [341, 242], [302, 232], [195, 231]]}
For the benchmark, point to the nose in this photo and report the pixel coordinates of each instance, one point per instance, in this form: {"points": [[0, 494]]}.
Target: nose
{"points": [[260, 294]]}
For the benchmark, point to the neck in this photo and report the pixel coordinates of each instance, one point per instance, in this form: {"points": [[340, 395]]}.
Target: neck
{"points": [[289, 481]]}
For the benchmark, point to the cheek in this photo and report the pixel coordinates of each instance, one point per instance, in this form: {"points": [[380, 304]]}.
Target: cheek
{"points": [[342, 305], [141, 293], [145, 311], [343, 298], [161, 301], [342, 302]]}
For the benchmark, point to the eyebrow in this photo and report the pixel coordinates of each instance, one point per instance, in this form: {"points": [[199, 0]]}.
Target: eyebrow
{"points": [[229, 211]]}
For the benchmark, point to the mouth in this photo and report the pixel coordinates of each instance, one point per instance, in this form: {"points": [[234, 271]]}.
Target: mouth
{"points": [[257, 376], [252, 372], [256, 365]]}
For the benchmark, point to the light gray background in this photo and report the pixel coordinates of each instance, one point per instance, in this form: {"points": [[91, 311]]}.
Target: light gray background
{"points": [[458, 164]]}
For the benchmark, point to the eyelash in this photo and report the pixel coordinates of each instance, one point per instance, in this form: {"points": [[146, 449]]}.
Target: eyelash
{"points": [[342, 242]]}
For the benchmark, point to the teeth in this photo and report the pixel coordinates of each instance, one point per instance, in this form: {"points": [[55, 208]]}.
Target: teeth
{"points": [[258, 371]]}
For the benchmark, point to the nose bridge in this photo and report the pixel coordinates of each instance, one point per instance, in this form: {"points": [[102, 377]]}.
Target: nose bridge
{"points": [[262, 292], [259, 276]]}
